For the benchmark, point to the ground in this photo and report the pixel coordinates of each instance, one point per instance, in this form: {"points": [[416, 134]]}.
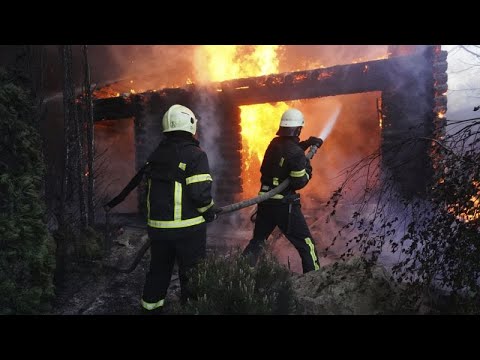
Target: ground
{"points": [[96, 288]]}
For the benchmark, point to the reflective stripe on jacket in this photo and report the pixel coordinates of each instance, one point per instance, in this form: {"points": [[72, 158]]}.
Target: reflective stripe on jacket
{"points": [[179, 184], [284, 157]]}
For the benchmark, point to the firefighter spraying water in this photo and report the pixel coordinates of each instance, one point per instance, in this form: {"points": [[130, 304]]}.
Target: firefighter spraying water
{"points": [[285, 162], [267, 195]]}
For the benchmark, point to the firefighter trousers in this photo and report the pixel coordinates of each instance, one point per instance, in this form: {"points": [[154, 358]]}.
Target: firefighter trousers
{"points": [[289, 218], [185, 246]]}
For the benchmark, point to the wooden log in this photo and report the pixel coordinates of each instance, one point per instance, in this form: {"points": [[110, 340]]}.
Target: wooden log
{"points": [[377, 75]]}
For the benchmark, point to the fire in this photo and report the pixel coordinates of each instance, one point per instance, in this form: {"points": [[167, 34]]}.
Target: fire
{"points": [[226, 62], [259, 123], [470, 212], [379, 112]]}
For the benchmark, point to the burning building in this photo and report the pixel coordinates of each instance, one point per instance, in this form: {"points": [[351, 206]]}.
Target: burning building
{"points": [[400, 94]]}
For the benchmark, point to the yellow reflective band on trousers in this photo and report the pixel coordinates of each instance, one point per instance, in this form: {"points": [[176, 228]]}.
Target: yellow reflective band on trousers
{"points": [[182, 166], [275, 181], [198, 178], [152, 306], [278, 196], [205, 208], [312, 252], [177, 202], [299, 173]]}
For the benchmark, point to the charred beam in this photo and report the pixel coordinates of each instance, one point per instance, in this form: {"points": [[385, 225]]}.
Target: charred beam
{"points": [[377, 75]]}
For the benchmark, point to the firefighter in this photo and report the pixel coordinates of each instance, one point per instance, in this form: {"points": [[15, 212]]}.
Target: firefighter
{"points": [[285, 157], [179, 204]]}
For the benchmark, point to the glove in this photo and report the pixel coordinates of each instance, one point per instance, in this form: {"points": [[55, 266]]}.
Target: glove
{"points": [[211, 214], [308, 169], [312, 140]]}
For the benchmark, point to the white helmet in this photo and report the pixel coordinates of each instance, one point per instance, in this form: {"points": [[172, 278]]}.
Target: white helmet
{"points": [[291, 123], [292, 118], [179, 118]]}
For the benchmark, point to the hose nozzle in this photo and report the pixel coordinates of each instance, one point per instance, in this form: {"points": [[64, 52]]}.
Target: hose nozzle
{"points": [[313, 150]]}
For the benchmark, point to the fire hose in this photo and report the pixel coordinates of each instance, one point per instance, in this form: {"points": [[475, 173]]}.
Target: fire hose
{"points": [[256, 200], [223, 210]]}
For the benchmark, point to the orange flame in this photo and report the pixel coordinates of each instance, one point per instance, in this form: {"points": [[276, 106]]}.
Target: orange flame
{"points": [[470, 212], [259, 123]]}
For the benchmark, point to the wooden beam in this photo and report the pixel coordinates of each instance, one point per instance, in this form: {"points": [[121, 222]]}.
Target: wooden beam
{"points": [[377, 75]]}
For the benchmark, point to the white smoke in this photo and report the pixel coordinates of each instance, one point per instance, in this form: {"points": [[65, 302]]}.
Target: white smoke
{"points": [[463, 74], [209, 131]]}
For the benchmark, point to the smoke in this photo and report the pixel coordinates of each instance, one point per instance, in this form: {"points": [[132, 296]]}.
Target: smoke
{"points": [[463, 74], [304, 57], [209, 132], [148, 66]]}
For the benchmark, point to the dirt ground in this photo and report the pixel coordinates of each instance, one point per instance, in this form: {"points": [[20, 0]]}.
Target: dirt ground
{"points": [[96, 288]]}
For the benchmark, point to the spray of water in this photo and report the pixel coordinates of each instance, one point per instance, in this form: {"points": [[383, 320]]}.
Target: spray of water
{"points": [[330, 123]]}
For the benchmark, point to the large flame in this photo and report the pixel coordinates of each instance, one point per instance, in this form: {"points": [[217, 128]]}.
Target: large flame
{"points": [[259, 123]]}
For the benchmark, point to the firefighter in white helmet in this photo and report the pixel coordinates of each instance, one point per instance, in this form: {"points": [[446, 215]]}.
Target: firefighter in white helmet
{"points": [[179, 203], [285, 158]]}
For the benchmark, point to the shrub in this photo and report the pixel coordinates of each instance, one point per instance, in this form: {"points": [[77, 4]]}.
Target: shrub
{"points": [[229, 286]]}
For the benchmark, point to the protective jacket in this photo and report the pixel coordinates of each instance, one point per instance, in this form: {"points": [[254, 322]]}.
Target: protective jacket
{"points": [[178, 184], [285, 157]]}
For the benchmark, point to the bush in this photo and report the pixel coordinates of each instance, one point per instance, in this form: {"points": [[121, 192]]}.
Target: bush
{"points": [[27, 250], [229, 286]]}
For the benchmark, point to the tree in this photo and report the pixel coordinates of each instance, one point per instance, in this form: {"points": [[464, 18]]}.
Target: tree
{"points": [[90, 137], [27, 258]]}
